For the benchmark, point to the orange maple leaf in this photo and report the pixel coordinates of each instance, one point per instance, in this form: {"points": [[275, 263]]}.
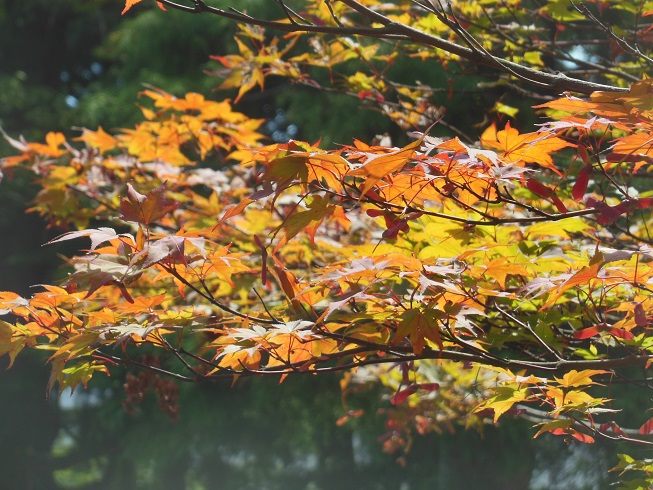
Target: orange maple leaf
{"points": [[52, 148], [638, 144], [128, 5], [378, 167], [525, 148]]}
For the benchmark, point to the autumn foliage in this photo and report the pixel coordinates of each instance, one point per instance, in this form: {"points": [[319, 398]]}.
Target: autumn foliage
{"points": [[508, 275]]}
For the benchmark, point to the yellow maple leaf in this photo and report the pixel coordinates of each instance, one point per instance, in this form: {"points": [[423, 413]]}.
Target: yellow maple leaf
{"points": [[503, 401], [99, 139], [579, 378], [582, 277]]}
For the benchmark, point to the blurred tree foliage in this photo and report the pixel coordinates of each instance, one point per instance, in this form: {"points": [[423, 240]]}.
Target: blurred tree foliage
{"points": [[48, 47], [259, 435]]}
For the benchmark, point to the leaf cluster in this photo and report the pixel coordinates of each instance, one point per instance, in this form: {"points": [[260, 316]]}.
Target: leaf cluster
{"points": [[473, 278]]}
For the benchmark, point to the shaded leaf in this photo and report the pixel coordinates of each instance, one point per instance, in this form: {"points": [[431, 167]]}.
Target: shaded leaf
{"points": [[420, 326], [172, 247], [146, 208], [640, 315]]}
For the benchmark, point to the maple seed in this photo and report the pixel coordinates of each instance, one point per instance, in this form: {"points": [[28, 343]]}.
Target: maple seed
{"points": [[401, 396], [581, 183], [640, 315], [538, 188], [547, 193]]}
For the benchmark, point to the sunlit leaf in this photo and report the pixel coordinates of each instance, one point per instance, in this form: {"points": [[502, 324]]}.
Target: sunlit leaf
{"points": [[129, 4]]}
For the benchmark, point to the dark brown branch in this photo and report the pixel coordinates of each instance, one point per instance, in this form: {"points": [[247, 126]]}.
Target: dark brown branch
{"points": [[489, 221], [558, 367], [397, 31], [213, 301], [634, 50]]}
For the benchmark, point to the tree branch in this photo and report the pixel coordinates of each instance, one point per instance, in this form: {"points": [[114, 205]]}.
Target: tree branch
{"points": [[396, 31]]}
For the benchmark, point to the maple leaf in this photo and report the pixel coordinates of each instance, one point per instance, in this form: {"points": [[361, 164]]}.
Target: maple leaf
{"points": [[97, 236], [167, 247], [244, 72], [140, 304], [647, 427], [300, 328], [12, 302], [309, 220], [500, 268], [124, 332], [524, 148], [52, 148], [99, 139], [572, 105], [9, 344], [583, 276], [102, 270], [420, 326], [641, 319], [581, 183], [546, 192], [587, 333], [590, 332], [235, 209], [579, 378], [379, 166], [128, 5], [553, 425], [82, 373], [146, 208], [637, 145], [503, 401]]}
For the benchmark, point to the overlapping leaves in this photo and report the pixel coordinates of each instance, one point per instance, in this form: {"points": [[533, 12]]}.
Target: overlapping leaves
{"points": [[463, 269]]}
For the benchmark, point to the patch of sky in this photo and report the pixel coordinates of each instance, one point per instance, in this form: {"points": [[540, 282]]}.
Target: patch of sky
{"points": [[278, 127], [577, 53], [71, 101]]}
